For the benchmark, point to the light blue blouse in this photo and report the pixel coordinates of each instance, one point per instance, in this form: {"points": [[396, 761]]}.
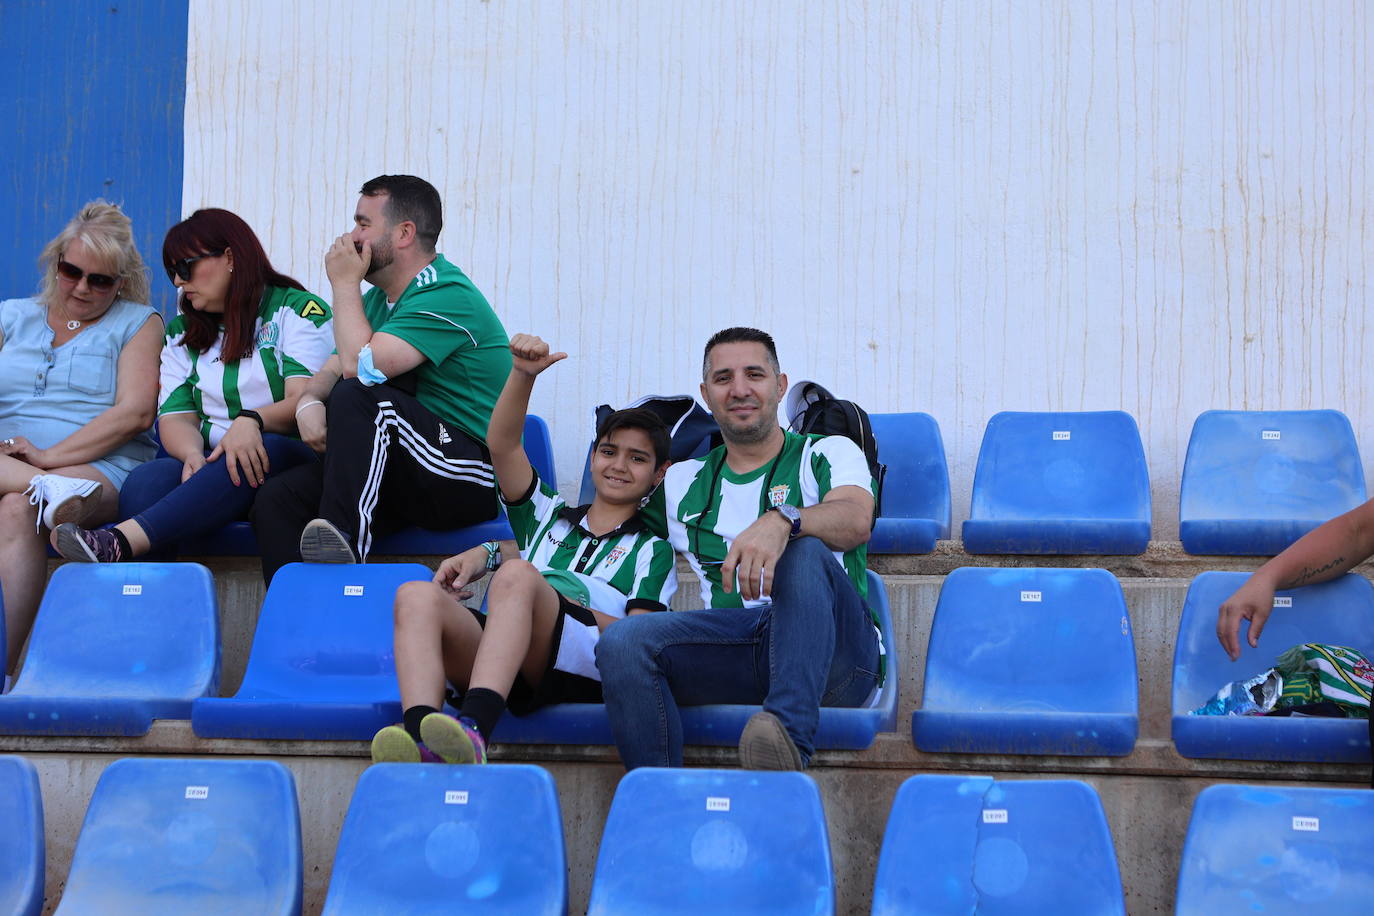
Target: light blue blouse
{"points": [[47, 393]]}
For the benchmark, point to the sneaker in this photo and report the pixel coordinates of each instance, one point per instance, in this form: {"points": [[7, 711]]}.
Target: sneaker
{"points": [[87, 545], [393, 744], [322, 542], [765, 745], [60, 499], [455, 740]]}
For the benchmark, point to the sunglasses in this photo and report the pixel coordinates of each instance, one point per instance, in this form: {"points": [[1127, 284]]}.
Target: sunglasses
{"points": [[100, 282], [184, 267]]}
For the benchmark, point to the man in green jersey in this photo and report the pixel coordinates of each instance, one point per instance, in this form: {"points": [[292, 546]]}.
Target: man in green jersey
{"points": [[774, 525], [400, 411]]}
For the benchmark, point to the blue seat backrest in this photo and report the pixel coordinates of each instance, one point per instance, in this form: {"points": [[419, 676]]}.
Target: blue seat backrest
{"points": [[1340, 612], [917, 471], [957, 844], [1057, 465], [1029, 661], [539, 447], [1256, 481], [419, 838], [1277, 849], [21, 838], [327, 629], [125, 630], [188, 836], [714, 841]]}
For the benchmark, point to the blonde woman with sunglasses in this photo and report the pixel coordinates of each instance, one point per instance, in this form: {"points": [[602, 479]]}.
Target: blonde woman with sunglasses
{"points": [[78, 391]]}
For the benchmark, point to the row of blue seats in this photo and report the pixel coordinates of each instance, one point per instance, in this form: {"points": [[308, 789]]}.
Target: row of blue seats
{"points": [[1049, 483], [223, 836], [1019, 661], [116, 646]]}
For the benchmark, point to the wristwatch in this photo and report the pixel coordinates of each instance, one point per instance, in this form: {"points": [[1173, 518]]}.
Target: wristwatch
{"points": [[793, 516]]}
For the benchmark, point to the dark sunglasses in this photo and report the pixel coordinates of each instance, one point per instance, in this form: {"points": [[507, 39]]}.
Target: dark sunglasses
{"points": [[184, 267], [101, 282]]}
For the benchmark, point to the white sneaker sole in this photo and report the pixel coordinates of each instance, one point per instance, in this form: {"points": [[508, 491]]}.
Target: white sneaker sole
{"points": [[321, 542], [71, 509], [71, 546]]}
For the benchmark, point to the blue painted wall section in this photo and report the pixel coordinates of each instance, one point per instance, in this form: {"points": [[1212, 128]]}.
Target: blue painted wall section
{"points": [[92, 107]]}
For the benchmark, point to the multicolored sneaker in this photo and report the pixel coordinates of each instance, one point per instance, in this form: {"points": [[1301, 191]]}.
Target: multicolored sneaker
{"points": [[393, 744], [455, 740], [87, 545]]}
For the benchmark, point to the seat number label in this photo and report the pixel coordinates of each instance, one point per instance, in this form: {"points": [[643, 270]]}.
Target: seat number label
{"points": [[717, 803], [133, 589], [1308, 824], [1030, 596], [1060, 435], [1271, 434], [456, 797], [1283, 602], [203, 792], [353, 591], [994, 815]]}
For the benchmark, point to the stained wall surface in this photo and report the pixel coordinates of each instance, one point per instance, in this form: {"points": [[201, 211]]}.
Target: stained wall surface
{"points": [[1163, 207]]}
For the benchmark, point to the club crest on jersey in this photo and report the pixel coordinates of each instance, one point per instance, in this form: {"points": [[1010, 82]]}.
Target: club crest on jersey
{"points": [[267, 337], [778, 495], [615, 554]]}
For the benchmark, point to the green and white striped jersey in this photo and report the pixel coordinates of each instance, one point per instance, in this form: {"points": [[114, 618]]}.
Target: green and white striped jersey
{"points": [[708, 504], [622, 571], [293, 336]]}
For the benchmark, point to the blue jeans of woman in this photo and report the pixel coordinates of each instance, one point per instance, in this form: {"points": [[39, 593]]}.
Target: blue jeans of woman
{"points": [[814, 645], [170, 511]]}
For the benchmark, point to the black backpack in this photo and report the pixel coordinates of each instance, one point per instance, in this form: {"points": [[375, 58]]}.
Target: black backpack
{"points": [[816, 411]]}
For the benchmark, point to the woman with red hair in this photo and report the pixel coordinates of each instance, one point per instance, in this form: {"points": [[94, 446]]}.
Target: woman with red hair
{"points": [[235, 361]]}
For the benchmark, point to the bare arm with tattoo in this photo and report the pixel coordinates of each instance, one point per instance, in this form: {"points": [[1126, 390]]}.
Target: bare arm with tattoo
{"points": [[1321, 555]]}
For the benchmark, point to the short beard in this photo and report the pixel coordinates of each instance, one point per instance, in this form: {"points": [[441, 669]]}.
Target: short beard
{"points": [[750, 435], [382, 258]]}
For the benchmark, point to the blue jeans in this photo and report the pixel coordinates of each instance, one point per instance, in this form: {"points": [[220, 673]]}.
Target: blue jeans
{"points": [[814, 645], [169, 511]]}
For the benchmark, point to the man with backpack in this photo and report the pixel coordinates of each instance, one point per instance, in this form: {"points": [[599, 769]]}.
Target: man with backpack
{"points": [[775, 525]]}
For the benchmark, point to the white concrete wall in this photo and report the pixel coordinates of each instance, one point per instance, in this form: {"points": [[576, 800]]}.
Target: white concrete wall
{"points": [[959, 208]]}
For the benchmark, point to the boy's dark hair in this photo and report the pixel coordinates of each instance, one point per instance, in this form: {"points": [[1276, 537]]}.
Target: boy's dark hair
{"points": [[740, 335], [642, 419], [410, 199]]}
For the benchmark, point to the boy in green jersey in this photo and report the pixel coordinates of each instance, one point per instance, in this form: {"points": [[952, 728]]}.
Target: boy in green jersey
{"points": [[580, 569]]}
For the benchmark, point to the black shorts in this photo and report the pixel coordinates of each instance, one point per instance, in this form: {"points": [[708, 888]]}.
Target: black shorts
{"points": [[555, 686]]}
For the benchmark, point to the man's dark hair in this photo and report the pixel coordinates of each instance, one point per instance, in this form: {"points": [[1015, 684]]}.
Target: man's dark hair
{"points": [[410, 199], [642, 419], [740, 335]]}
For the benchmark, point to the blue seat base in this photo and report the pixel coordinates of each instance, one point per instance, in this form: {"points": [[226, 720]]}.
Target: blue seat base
{"points": [[1264, 738], [1098, 536], [127, 716], [237, 540], [1240, 537], [711, 726], [269, 718], [904, 535], [1039, 733]]}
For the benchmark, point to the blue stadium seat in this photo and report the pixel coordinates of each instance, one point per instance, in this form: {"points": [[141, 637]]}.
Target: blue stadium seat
{"points": [[436, 839], [969, 844], [1339, 613], [196, 836], [1060, 483], [115, 646], [1256, 481], [21, 839], [1029, 661], [839, 729], [237, 539], [916, 495], [322, 665], [713, 841], [1277, 849]]}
